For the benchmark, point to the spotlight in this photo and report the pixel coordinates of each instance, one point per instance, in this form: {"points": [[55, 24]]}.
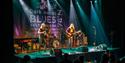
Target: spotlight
{"points": [[95, 1], [90, 1], [72, 17]]}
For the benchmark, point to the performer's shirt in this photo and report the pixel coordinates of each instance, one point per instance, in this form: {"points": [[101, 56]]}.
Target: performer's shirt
{"points": [[71, 30], [41, 30]]}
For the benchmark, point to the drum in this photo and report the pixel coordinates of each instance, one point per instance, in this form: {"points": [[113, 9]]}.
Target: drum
{"points": [[56, 44]]}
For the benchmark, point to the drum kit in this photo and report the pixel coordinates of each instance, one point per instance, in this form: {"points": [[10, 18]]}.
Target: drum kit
{"points": [[56, 44]]}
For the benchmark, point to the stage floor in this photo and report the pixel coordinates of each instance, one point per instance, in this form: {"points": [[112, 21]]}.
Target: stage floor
{"points": [[46, 56], [70, 51]]}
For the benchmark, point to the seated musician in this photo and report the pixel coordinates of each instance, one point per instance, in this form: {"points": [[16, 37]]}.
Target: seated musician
{"points": [[56, 42], [70, 31]]}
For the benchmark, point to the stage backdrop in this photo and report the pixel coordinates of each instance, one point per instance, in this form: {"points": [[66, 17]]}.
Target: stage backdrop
{"points": [[28, 16]]}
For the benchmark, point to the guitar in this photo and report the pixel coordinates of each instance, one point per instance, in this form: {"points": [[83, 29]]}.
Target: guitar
{"points": [[69, 35]]}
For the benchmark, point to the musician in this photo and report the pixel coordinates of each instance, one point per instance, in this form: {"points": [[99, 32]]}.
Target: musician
{"points": [[80, 37], [70, 31], [47, 36], [62, 37], [42, 34], [94, 35], [51, 40], [42, 28], [56, 42]]}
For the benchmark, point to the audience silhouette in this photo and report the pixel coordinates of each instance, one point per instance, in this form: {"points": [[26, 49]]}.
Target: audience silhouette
{"points": [[65, 60], [27, 59], [79, 60], [108, 57]]}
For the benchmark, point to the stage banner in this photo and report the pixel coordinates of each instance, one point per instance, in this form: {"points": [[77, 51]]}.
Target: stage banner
{"points": [[28, 16]]}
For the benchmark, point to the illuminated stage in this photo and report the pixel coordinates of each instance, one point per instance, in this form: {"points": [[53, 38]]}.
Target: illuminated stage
{"points": [[50, 28], [49, 55]]}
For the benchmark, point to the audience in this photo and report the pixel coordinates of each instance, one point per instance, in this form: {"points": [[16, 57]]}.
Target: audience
{"points": [[79, 60], [108, 57], [65, 60], [27, 59], [122, 60]]}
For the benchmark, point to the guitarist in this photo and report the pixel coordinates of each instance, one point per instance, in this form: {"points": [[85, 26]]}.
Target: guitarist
{"points": [[70, 32], [42, 34]]}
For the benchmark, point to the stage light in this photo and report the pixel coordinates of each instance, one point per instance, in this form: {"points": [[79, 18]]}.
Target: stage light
{"points": [[49, 6], [69, 53], [26, 9], [95, 1], [60, 7], [17, 30], [98, 8], [33, 20], [83, 15], [73, 16], [91, 2], [58, 4], [100, 33], [84, 18], [35, 4]]}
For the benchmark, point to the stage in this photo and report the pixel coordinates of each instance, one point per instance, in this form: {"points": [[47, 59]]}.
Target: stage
{"points": [[49, 55], [46, 30]]}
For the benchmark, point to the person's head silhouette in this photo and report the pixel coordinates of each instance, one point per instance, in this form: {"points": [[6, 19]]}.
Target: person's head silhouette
{"points": [[26, 58]]}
